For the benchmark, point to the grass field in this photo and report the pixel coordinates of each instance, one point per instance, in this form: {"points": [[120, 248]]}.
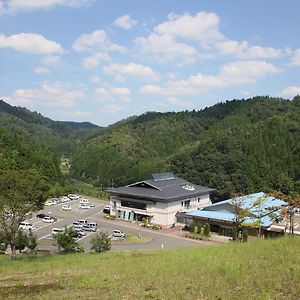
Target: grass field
{"points": [[267, 269]]}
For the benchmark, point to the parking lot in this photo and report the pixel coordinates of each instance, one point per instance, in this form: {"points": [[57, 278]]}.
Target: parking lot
{"points": [[158, 239]]}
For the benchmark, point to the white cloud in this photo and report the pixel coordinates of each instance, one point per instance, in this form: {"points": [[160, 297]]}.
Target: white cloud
{"points": [[165, 48], [174, 88], [51, 60], [202, 27], [30, 43], [73, 114], [235, 73], [113, 99], [95, 79], [174, 103], [295, 61], [125, 22], [41, 70], [131, 69], [94, 60], [244, 51], [13, 6], [50, 94], [112, 108], [290, 92], [96, 40], [169, 39]]}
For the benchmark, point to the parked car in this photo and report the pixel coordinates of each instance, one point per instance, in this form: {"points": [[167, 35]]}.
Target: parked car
{"points": [[86, 227], [48, 219], [80, 232], [77, 224], [77, 227], [118, 233], [26, 226], [41, 216], [82, 221], [93, 224], [66, 207], [65, 199], [74, 196], [107, 209], [57, 230], [84, 201], [84, 206], [50, 203], [92, 205]]}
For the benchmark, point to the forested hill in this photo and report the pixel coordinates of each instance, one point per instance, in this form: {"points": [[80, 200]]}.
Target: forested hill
{"points": [[22, 153], [62, 137], [240, 145]]}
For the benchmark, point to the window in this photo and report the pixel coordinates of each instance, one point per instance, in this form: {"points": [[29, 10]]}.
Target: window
{"points": [[133, 204]]}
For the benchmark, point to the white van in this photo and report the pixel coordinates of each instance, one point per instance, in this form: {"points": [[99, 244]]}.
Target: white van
{"points": [[26, 225], [57, 230]]}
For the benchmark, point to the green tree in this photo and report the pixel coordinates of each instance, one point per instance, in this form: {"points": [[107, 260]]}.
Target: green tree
{"points": [[32, 241], [66, 240], [21, 192], [21, 240], [101, 242], [3, 242]]}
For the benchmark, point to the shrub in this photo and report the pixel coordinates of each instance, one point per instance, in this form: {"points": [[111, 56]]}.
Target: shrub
{"points": [[206, 230], [21, 240], [101, 242], [245, 235], [32, 241], [66, 240], [234, 233]]}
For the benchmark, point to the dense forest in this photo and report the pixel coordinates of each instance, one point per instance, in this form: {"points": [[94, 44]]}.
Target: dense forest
{"points": [[236, 146], [22, 153], [61, 137]]}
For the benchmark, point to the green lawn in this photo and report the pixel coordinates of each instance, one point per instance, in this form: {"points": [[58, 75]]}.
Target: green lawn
{"points": [[267, 269]]}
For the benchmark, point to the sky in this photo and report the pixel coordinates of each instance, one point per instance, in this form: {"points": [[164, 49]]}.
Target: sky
{"points": [[102, 61]]}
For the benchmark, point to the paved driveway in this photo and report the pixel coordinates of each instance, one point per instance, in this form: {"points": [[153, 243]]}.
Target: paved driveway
{"points": [[160, 239]]}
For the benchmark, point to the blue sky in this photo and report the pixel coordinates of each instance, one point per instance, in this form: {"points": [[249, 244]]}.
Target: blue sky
{"points": [[102, 61]]}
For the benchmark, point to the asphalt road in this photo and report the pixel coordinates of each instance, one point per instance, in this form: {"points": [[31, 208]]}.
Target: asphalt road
{"points": [[160, 239]]}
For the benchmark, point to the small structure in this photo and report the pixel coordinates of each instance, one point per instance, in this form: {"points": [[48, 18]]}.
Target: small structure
{"points": [[157, 200], [263, 211]]}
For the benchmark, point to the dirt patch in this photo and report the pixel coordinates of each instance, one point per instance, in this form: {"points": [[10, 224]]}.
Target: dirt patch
{"points": [[28, 289]]}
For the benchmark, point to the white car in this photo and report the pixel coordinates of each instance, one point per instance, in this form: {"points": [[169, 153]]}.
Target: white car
{"points": [[74, 196], [84, 201], [49, 203], [26, 226], [48, 219], [66, 207], [84, 206], [118, 234], [65, 199]]}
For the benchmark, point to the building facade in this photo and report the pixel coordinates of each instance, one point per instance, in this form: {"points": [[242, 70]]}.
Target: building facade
{"points": [[158, 199]]}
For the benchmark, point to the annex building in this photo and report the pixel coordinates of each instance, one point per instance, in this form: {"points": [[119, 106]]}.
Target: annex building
{"points": [[158, 199], [263, 211]]}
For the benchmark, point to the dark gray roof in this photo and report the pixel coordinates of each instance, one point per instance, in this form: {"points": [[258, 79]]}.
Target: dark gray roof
{"points": [[161, 191]]}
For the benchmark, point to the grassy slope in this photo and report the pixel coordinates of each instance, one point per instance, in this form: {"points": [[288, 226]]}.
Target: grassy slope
{"points": [[257, 270]]}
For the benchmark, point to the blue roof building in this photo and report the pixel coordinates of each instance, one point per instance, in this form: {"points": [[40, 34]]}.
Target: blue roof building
{"points": [[262, 210]]}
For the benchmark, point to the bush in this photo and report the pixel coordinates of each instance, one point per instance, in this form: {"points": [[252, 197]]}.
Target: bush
{"points": [[101, 242], [21, 240], [3, 243], [234, 233], [32, 241], [245, 235], [66, 240], [206, 230]]}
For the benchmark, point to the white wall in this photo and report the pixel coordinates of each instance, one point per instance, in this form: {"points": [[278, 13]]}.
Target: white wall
{"points": [[164, 213]]}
